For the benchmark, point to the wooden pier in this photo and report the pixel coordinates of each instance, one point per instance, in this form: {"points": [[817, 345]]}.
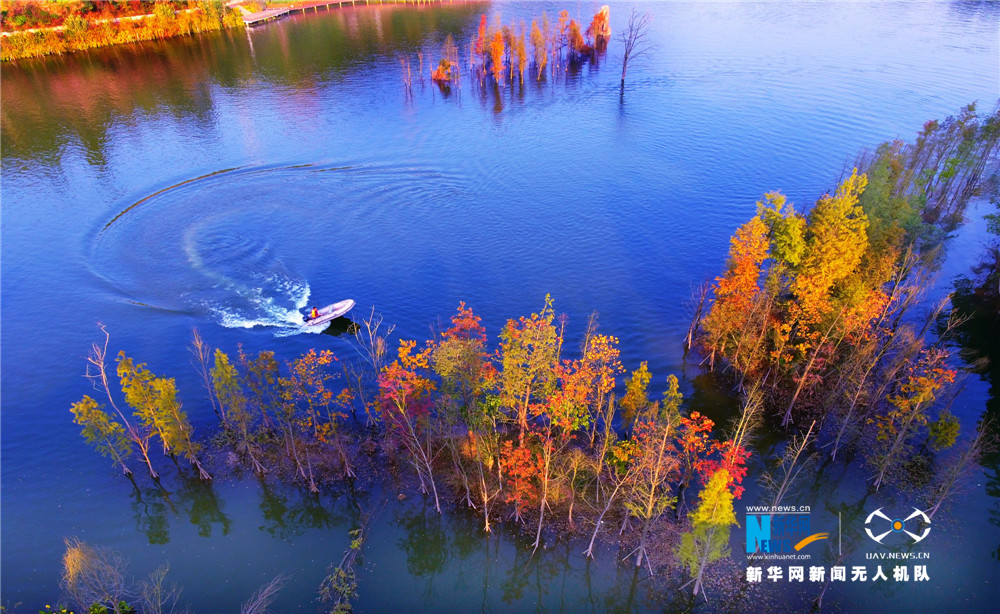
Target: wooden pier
{"points": [[253, 19]]}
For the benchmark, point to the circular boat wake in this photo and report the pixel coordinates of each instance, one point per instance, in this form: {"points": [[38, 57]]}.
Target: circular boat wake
{"points": [[237, 246]]}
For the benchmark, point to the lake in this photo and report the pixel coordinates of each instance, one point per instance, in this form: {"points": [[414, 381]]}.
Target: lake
{"points": [[226, 181]]}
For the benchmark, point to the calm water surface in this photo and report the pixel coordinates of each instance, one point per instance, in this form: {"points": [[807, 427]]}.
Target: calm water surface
{"points": [[223, 182]]}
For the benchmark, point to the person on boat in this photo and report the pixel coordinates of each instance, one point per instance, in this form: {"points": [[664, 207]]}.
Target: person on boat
{"points": [[313, 314]]}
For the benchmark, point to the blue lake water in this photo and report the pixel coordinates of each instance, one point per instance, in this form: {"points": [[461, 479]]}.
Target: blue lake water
{"points": [[225, 181]]}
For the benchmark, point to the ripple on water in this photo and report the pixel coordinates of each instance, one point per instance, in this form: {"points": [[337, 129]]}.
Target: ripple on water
{"points": [[239, 246]]}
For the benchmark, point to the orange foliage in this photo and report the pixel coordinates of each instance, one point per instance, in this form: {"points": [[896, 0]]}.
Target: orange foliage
{"points": [[736, 291], [576, 42], [599, 29], [402, 390], [693, 441], [567, 405], [601, 357], [497, 48], [523, 468], [442, 72], [923, 381], [748, 249], [480, 44]]}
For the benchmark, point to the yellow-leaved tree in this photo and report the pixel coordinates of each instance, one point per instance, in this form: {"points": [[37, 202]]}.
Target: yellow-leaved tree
{"points": [[708, 539]]}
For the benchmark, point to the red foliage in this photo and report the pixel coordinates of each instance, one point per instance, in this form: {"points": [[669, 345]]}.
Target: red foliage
{"points": [[732, 458], [480, 46], [522, 467], [694, 444], [404, 393], [567, 405]]}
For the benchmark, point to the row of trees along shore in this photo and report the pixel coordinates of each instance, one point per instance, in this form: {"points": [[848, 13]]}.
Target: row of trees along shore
{"points": [[522, 432], [87, 25], [808, 318]]}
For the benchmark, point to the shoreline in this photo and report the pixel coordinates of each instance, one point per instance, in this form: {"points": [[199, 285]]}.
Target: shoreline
{"points": [[83, 34]]}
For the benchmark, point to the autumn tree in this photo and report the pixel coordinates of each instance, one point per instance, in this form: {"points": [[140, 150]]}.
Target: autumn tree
{"points": [[708, 539], [600, 357], [497, 48], [235, 406], [263, 388], [309, 382], [447, 69], [404, 398], [694, 445], [155, 402], [529, 350], [103, 431], [565, 411], [539, 45], [521, 466], [520, 52], [461, 359], [909, 408], [836, 239], [599, 29], [737, 290], [140, 434], [636, 400], [443, 71], [576, 43], [656, 470], [479, 46]]}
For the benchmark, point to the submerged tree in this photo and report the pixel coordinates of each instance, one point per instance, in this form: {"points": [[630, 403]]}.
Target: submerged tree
{"points": [[910, 407], [656, 470], [599, 29], [103, 431], [139, 434], [154, 400], [95, 577], [404, 398], [236, 408], [635, 41], [529, 351], [708, 539]]}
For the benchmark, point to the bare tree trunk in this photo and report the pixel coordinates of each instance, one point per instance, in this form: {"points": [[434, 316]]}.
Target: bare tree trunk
{"points": [[969, 455], [635, 39], [202, 352], [97, 361], [791, 472]]}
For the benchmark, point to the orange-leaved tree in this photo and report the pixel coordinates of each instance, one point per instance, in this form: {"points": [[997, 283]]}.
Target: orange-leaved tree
{"points": [[909, 408], [404, 399], [599, 29], [736, 292]]}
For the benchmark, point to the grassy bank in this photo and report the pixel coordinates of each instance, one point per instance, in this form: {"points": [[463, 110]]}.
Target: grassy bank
{"points": [[78, 33]]}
